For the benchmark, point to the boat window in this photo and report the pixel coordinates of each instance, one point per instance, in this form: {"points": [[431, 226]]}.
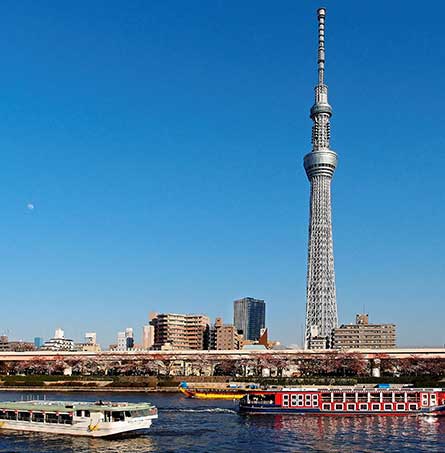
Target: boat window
{"points": [[400, 407], [338, 407], [2, 415], [412, 396], [350, 396], [387, 397], [51, 417], [118, 416], [375, 397], [326, 397], [86, 413], [24, 416], [363, 407], [326, 407], [413, 407], [433, 399], [11, 415], [300, 400], [338, 397], [128, 414], [285, 400], [79, 413], [351, 407], [66, 419], [307, 400], [107, 416], [388, 407], [315, 400], [375, 406], [399, 397], [38, 417], [293, 399], [362, 397]]}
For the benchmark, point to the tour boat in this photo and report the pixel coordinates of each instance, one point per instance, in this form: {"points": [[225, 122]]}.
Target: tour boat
{"points": [[98, 419], [378, 400], [231, 392]]}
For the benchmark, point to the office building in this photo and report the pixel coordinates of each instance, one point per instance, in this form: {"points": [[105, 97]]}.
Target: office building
{"points": [[363, 335], [249, 317]]}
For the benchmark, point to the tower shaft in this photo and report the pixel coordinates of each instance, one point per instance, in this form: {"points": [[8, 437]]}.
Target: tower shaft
{"points": [[320, 164]]}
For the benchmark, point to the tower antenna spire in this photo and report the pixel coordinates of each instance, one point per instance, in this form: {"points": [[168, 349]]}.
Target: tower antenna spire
{"points": [[321, 13]]}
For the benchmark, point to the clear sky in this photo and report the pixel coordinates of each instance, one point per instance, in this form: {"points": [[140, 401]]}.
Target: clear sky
{"points": [[152, 160]]}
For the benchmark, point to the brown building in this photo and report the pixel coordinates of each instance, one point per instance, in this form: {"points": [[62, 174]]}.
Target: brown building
{"points": [[178, 331], [224, 337], [364, 335], [15, 346]]}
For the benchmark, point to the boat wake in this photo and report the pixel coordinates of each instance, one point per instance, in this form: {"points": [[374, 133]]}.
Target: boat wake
{"points": [[219, 410]]}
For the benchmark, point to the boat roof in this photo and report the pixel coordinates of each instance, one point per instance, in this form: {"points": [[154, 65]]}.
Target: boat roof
{"points": [[70, 406], [352, 388]]}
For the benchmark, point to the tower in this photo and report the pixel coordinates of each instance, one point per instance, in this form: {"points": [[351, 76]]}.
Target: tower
{"points": [[320, 164]]}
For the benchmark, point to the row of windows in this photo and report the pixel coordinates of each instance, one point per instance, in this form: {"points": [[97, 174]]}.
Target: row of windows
{"points": [[37, 417], [371, 407]]}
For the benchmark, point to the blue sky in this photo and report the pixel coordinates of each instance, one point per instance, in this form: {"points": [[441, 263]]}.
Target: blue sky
{"points": [[161, 144]]}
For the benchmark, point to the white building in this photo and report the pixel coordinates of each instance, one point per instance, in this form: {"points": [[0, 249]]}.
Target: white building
{"points": [[59, 342]]}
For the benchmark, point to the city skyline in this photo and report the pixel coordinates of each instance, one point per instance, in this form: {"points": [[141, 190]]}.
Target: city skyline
{"points": [[153, 162]]}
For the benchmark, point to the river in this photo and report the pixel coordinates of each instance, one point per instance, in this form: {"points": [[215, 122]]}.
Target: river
{"points": [[186, 425]]}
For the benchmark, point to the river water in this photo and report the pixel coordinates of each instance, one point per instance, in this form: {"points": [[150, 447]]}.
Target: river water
{"points": [[186, 425]]}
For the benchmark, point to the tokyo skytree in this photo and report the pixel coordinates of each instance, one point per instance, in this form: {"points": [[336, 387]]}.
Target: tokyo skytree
{"points": [[320, 163]]}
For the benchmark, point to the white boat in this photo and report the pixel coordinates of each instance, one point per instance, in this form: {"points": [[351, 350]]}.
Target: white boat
{"points": [[98, 419]]}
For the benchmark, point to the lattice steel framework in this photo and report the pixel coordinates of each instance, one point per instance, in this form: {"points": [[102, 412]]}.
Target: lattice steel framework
{"points": [[320, 164]]}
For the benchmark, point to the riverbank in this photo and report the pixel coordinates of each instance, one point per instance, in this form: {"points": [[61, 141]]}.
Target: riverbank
{"points": [[90, 389]]}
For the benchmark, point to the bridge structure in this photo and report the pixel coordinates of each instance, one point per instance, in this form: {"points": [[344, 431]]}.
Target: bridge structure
{"points": [[191, 355]]}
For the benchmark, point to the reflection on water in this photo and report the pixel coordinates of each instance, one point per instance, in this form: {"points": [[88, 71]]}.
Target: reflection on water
{"points": [[36, 442], [186, 425]]}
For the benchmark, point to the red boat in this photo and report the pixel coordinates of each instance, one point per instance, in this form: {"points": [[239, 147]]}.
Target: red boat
{"points": [[378, 400]]}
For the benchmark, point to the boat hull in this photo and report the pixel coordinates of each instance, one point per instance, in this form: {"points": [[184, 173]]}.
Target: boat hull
{"points": [[210, 395], [100, 430]]}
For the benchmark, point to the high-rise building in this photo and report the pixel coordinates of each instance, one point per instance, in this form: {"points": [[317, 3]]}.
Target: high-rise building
{"points": [[148, 333], [121, 344], [320, 164], [178, 331], [363, 335], [38, 342], [129, 338], [224, 336], [249, 317]]}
